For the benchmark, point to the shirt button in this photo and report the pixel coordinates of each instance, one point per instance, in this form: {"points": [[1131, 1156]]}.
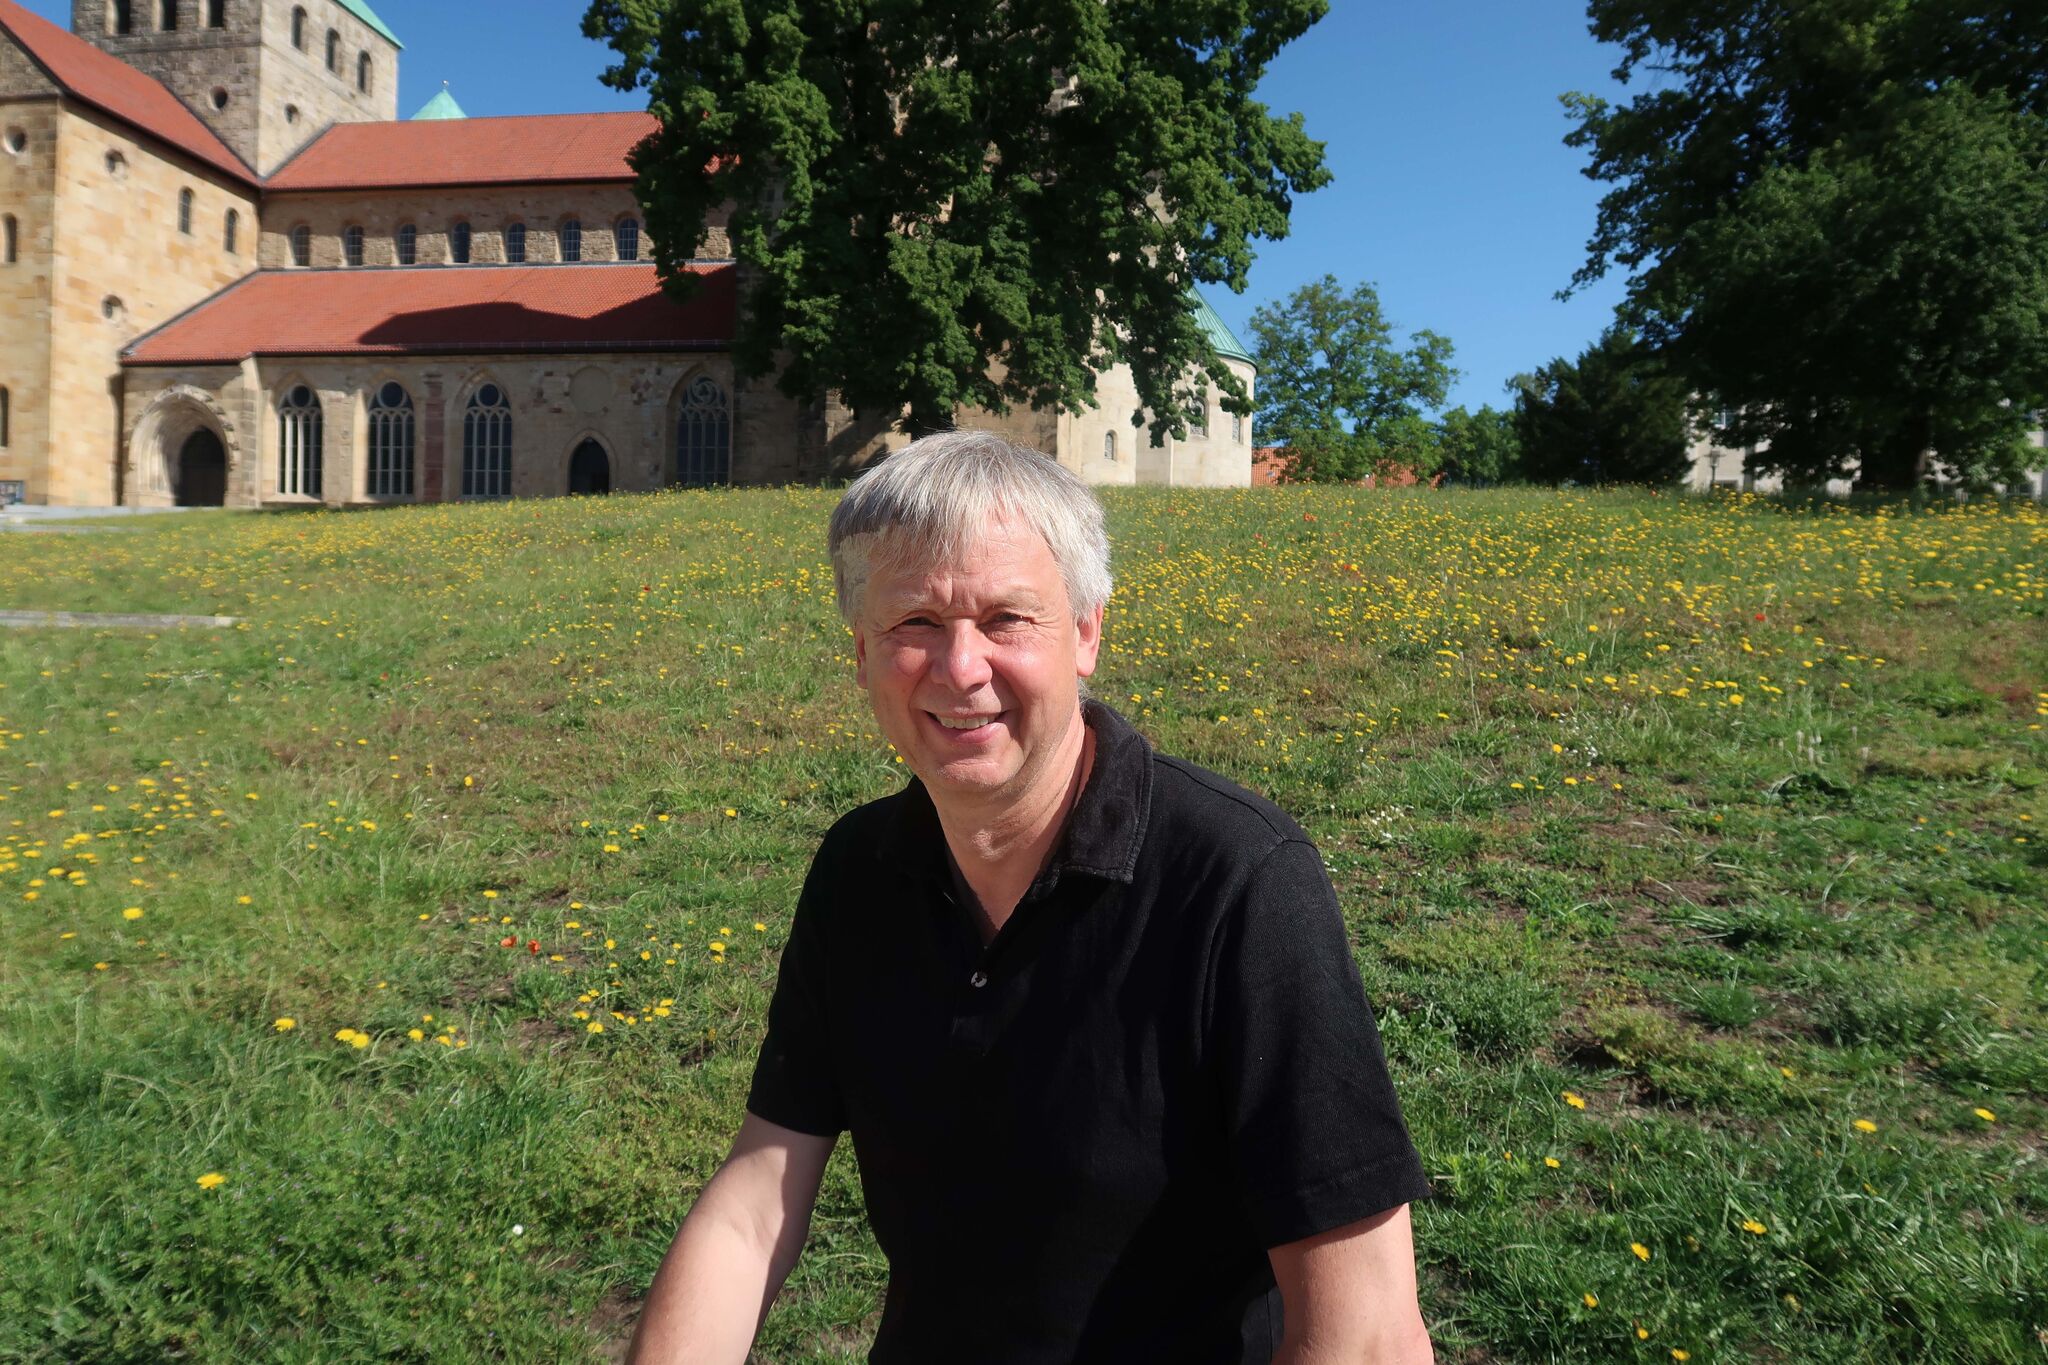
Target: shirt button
{"points": [[978, 980]]}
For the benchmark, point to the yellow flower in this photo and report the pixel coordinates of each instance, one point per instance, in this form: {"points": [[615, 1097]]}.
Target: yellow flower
{"points": [[717, 947], [1591, 1302], [594, 1027], [1864, 1126], [1751, 1226], [1551, 1162], [132, 912], [245, 900], [361, 1040], [344, 1035], [731, 814], [1679, 1354], [101, 966], [1985, 1114], [212, 1180], [1575, 1101], [416, 1035], [285, 1024], [490, 895], [760, 928], [1642, 1252]]}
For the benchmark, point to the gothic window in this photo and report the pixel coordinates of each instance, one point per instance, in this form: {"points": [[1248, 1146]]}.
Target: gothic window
{"points": [[1109, 445], [487, 445], [6, 412], [572, 240], [230, 229], [391, 444], [10, 249], [363, 72], [299, 28], [458, 244], [302, 245], [408, 245], [703, 436], [334, 52], [169, 16], [352, 245], [515, 243], [216, 13], [299, 443], [185, 212], [627, 236], [124, 16], [1201, 423]]}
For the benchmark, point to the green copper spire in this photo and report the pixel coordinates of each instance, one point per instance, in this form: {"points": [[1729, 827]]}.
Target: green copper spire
{"points": [[1221, 340], [443, 105], [368, 16]]}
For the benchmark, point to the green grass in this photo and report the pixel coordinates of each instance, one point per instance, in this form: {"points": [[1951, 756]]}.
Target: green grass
{"points": [[1675, 838]]}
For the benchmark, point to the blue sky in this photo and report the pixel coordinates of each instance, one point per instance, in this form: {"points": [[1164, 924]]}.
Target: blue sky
{"points": [[1453, 190]]}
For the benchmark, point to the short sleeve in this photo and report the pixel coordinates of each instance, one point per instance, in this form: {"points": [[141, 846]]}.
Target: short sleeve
{"points": [[795, 1084], [1313, 1132]]}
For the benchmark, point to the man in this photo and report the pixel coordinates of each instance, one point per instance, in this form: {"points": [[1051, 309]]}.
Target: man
{"points": [[1088, 1011]]}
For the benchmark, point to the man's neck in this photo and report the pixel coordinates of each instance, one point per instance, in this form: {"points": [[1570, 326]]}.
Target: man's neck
{"points": [[1001, 843]]}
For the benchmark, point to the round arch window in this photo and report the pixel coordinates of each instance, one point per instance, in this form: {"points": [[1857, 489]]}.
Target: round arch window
{"points": [[299, 397], [392, 395], [17, 140], [219, 97], [488, 396], [111, 308]]}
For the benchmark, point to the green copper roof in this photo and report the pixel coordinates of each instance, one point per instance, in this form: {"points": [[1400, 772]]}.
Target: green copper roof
{"points": [[369, 16], [443, 105], [1221, 340]]}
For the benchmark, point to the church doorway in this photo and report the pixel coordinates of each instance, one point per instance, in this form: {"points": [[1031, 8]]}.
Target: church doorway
{"points": [[590, 470], [201, 478]]}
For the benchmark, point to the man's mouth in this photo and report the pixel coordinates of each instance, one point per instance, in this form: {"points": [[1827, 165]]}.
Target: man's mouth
{"points": [[964, 722]]}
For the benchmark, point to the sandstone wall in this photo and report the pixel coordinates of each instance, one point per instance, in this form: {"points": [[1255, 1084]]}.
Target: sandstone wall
{"points": [[27, 186], [1221, 458], [117, 238], [487, 210]]}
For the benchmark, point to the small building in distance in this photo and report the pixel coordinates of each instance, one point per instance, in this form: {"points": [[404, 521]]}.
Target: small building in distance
{"points": [[231, 274]]}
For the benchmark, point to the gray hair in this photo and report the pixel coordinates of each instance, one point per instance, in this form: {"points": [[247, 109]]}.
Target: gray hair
{"points": [[927, 503]]}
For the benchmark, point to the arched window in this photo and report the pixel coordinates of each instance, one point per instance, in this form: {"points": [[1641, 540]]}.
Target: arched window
{"points": [[1201, 416], [299, 436], [626, 234], [302, 245], [334, 52], [408, 245], [458, 244], [169, 16], [6, 415], [124, 16], [352, 245], [515, 243], [1237, 428], [363, 72], [703, 436], [572, 240], [1109, 445], [10, 249], [216, 13], [185, 212], [230, 229], [391, 443], [487, 445], [299, 28]]}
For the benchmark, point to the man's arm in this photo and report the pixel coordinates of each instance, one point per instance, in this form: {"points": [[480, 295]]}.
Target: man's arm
{"points": [[1348, 1295], [734, 1250]]}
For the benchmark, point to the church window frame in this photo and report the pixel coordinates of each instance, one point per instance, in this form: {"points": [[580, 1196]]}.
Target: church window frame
{"points": [[333, 52], [626, 239], [301, 442], [458, 243], [216, 13], [487, 443], [10, 247], [185, 198], [515, 243], [299, 27], [352, 245], [363, 72], [167, 16], [1109, 446], [571, 239], [703, 436], [1199, 426], [231, 231], [6, 416], [408, 242], [301, 239], [391, 444], [122, 15]]}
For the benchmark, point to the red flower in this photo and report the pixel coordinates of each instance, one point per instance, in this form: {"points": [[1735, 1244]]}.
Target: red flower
{"points": [[1759, 616], [533, 945], [510, 940]]}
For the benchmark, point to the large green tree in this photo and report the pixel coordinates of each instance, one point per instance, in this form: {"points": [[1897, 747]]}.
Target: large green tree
{"points": [[1834, 214], [1479, 447], [1614, 415], [1338, 391], [978, 203]]}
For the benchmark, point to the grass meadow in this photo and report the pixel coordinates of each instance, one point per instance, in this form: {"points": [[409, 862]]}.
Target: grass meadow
{"points": [[381, 977]]}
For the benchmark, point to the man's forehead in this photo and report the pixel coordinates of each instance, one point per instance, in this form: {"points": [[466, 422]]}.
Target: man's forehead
{"points": [[1000, 560]]}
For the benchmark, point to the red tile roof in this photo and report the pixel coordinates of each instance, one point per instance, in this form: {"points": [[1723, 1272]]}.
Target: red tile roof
{"points": [[526, 150], [445, 309], [110, 84]]}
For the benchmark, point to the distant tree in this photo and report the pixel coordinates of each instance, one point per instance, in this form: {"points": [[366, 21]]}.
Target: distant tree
{"points": [[971, 203], [1614, 415], [1336, 391], [1835, 219], [1479, 447]]}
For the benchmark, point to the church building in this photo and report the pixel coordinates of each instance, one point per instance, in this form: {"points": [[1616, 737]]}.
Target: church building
{"points": [[230, 274]]}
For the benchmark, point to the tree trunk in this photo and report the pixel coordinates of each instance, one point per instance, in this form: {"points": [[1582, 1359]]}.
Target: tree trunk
{"points": [[1895, 461]]}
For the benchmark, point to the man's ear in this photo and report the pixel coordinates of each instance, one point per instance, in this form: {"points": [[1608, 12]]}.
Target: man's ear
{"points": [[860, 658], [1088, 642]]}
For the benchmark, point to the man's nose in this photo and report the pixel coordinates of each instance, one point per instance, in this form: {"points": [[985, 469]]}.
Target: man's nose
{"points": [[962, 663]]}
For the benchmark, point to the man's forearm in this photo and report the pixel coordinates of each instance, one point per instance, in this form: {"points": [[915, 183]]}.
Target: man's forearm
{"points": [[1404, 1343], [711, 1293]]}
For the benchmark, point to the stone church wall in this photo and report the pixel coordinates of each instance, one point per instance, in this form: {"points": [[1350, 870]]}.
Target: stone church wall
{"points": [[27, 195], [1219, 458]]}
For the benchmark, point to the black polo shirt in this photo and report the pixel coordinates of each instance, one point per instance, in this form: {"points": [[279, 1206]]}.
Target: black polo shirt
{"points": [[1078, 1142]]}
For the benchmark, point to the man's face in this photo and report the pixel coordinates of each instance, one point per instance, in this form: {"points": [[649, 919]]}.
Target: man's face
{"points": [[974, 668]]}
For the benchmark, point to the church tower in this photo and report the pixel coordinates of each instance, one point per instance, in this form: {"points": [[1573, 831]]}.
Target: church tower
{"points": [[268, 76]]}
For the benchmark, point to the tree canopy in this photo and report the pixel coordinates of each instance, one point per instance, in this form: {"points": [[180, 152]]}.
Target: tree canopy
{"points": [[979, 203], [1614, 415], [1835, 218], [1479, 447], [1336, 390]]}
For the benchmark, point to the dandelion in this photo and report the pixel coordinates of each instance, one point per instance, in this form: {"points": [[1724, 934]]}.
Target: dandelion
{"points": [[417, 1035], [1985, 1114], [285, 1024], [594, 1026], [1680, 1354], [1575, 1101], [212, 1180], [1864, 1126], [1590, 1300], [132, 912], [731, 814], [245, 900], [1753, 1227], [1642, 1253], [1551, 1162]]}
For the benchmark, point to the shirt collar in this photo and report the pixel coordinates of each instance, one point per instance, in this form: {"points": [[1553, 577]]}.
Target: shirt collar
{"points": [[1105, 829]]}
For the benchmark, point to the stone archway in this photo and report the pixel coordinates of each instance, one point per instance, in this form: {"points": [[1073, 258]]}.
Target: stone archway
{"points": [[199, 478], [590, 469]]}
